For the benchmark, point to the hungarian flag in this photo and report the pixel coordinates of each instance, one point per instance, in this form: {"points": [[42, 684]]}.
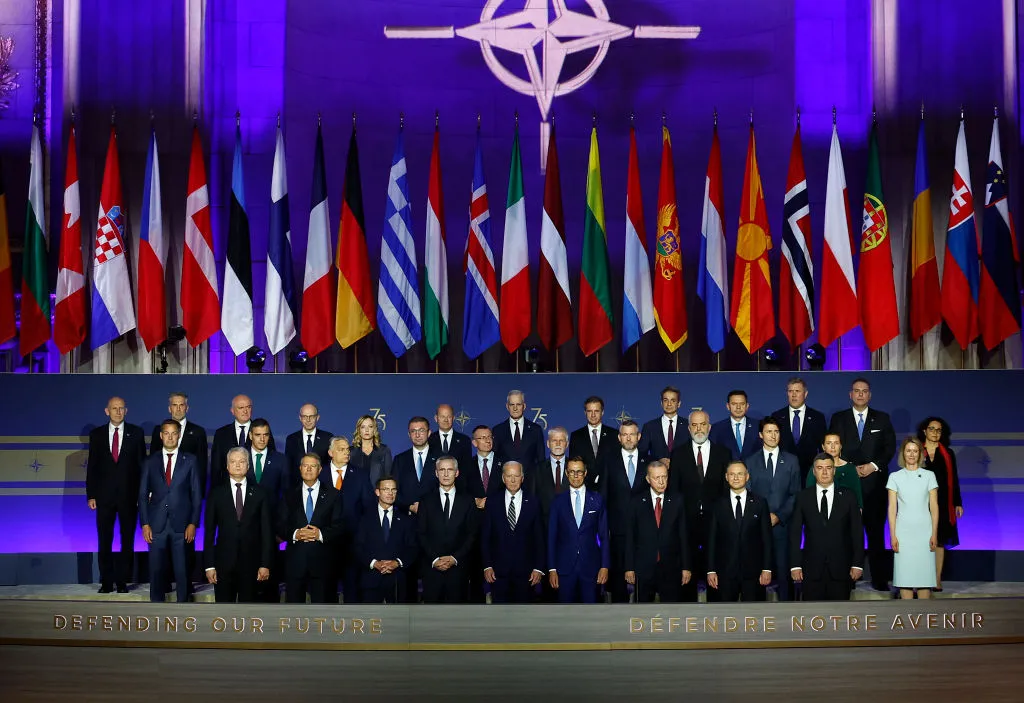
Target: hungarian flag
{"points": [[960, 268], [514, 307], [237, 317], [837, 311], [713, 275], [480, 328], [595, 312], [554, 313], [876, 287], [317, 287], [637, 299], [668, 291], [999, 301], [355, 309], [925, 299], [7, 326], [200, 303], [796, 267], [753, 317], [152, 256], [35, 287], [435, 258]]}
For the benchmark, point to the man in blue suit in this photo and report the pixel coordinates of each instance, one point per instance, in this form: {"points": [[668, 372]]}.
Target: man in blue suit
{"points": [[385, 548], [270, 470], [512, 540], [170, 502], [738, 433], [578, 550], [775, 475]]}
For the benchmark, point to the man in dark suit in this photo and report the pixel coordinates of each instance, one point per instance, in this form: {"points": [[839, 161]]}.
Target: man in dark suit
{"points": [[482, 475], [353, 485], [827, 520], [170, 504], [548, 478], [446, 528], [658, 437], [310, 520], [869, 441], [622, 477], [234, 434], [594, 439], [270, 469], [578, 551], [414, 468], [112, 474], [737, 433], [448, 441], [802, 428], [775, 476], [512, 540], [311, 438], [740, 541], [698, 476], [385, 548], [657, 551], [239, 539], [516, 438]]}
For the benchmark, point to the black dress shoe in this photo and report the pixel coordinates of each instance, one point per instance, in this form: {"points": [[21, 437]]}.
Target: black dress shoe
{"points": [[122, 588], [106, 588]]}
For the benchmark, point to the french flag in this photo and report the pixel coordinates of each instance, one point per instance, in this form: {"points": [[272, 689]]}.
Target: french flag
{"points": [[152, 256]]}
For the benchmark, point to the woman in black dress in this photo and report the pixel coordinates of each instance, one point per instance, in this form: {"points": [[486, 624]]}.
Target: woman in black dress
{"points": [[940, 459], [367, 450]]}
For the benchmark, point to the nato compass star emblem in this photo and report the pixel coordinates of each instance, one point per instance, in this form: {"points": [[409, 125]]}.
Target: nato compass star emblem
{"points": [[35, 465], [462, 419], [623, 415], [544, 33]]}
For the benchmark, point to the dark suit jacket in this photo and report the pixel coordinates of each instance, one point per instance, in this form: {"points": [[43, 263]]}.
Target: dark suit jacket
{"points": [[830, 547], [779, 490], [812, 435], [276, 476], [743, 549], [699, 493], [294, 448], [513, 554], [370, 544], [440, 536], [531, 449], [580, 445], [473, 483], [110, 482], [309, 557], [617, 492], [193, 441], [460, 447], [226, 438], [652, 439], [356, 496], [582, 549], [722, 434], [646, 542], [247, 543], [411, 489], [878, 445], [176, 506]]}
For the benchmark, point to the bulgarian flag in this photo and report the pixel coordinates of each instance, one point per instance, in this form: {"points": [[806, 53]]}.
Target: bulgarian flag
{"points": [[35, 288]]}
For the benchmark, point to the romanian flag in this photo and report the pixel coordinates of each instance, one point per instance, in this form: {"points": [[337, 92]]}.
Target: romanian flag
{"points": [[355, 310], [925, 300], [753, 317], [595, 326]]}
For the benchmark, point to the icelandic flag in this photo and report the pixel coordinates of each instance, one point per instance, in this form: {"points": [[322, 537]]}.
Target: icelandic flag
{"points": [[960, 276], [112, 311], [398, 298], [152, 256], [280, 304], [480, 330]]}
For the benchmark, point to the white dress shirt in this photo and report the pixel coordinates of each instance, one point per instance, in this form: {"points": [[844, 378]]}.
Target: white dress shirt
{"points": [[263, 462], [512, 427], [803, 417], [174, 461], [335, 471], [625, 460], [830, 496], [743, 501], [675, 426], [391, 521], [110, 436], [316, 495], [705, 453], [774, 454], [238, 428], [516, 498], [443, 437], [308, 437], [654, 497]]}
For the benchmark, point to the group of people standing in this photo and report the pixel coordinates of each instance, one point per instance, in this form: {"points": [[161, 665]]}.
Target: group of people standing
{"points": [[624, 513]]}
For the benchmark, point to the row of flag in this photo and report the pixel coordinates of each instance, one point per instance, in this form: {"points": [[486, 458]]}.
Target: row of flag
{"points": [[978, 295]]}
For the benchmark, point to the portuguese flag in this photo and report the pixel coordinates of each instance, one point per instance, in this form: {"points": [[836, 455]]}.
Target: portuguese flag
{"points": [[876, 289]]}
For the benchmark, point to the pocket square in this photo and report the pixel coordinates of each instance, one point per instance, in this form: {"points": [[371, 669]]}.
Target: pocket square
{"points": [[873, 431], [591, 512]]}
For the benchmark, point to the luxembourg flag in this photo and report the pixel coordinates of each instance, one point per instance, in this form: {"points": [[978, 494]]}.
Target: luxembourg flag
{"points": [[152, 256], [713, 281], [112, 312], [638, 299]]}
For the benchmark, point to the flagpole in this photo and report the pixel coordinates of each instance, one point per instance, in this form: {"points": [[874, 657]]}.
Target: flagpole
{"points": [[718, 362], [638, 357], [839, 351], [597, 361], [557, 353], [355, 357], [799, 347]]}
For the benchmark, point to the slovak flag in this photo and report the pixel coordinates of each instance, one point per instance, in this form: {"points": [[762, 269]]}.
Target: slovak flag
{"points": [[112, 311], [960, 274]]}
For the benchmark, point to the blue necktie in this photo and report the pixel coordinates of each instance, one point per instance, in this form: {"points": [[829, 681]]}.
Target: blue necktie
{"points": [[771, 465], [860, 425], [796, 426], [386, 526], [578, 509], [309, 505], [631, 470], [739, 437], [419, 465]]}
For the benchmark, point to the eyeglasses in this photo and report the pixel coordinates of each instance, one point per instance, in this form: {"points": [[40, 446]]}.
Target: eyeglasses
{"points": [[308, 417], [933, 429], [418, 431]]}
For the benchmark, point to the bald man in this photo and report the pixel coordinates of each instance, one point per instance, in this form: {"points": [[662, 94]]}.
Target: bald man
{"points": [[310, 438], [233, 434]]}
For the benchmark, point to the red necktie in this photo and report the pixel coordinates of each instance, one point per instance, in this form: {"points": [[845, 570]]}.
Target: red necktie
{"points": [[657, 510], [517, 438], [700, 462], [115, 446], [671, 435], [167, 471]]}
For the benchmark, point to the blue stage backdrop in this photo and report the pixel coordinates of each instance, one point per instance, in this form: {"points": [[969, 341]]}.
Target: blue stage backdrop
{"points": [[46, 420]]}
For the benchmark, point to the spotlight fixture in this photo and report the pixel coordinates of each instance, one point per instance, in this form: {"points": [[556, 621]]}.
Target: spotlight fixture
{"points": [[815, 356], [532, 357], [771, 358], [254, 359], [175, 334], [298, 361]]}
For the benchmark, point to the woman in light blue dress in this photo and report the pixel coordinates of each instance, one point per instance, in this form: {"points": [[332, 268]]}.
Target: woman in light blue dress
{"points": [[913, 522]]}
